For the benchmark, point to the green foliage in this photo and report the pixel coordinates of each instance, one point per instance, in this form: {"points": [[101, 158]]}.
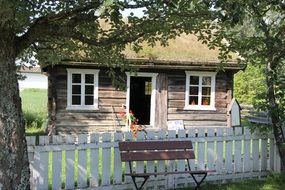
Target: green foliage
{"points": [[249, 85], [34, 104]]}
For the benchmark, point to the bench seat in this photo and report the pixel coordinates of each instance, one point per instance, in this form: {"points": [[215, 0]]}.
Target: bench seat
{"points": [[159, 151]]}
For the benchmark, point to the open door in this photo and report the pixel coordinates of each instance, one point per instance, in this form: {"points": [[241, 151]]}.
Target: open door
{"points": [[140, 98]]}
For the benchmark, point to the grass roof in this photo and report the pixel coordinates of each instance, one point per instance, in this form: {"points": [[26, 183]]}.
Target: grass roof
{"points": [[183, 48]]}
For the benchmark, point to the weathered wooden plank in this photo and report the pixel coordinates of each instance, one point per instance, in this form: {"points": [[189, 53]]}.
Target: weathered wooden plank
{"points": [[181, 163], [106, 162], [82, 162], [255, 154], [171, 166], [271, 154], [237, 151], [56, 163], [211, 150], [201, 149], [229, 153], [70, 161], [175, 111], [211, 117], [94, 161], [140, 164], [161, 101], [246, 151], [220, 151], [128, 137], [117, 160], [263, 155], [112, 94]]}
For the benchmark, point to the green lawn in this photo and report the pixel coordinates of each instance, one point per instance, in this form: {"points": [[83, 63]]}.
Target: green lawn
{"points": [[34, 104], [275, 182]]}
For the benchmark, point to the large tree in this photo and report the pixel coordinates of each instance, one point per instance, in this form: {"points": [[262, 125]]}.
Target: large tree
{"points": [[255, 29], [51, 31]]}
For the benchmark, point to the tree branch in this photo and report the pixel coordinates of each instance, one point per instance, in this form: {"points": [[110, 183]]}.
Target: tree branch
{"points": [[31, 36]]}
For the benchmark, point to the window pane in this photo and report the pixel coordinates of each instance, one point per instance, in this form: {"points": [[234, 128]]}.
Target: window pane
{"points": [[89, 100], [194, 90], [206, 81], [89, 78], [76, 100], [76, 89], [206, 91], [194, 80], [206, 100], [193, 100], [76, 78], [147, 88], [89, 89]]}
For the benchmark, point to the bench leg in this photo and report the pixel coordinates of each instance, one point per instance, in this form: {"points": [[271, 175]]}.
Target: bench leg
{"points": [[198, 183], [134, 180]]}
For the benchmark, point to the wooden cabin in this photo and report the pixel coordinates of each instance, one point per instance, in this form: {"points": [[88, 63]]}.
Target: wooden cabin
{"points": [[81, 97]]}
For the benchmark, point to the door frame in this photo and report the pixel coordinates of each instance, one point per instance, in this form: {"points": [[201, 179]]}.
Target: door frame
{"points": [[153, 77]]}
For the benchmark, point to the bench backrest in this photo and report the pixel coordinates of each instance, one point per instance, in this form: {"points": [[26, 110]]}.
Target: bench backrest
{"points": [[156, 150]]}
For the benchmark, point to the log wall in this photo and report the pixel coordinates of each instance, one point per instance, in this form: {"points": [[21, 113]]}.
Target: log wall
{"points": [[170, 100]]}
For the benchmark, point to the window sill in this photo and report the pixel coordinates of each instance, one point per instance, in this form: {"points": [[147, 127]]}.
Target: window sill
{"points": [[80, 108], [207, 108]]}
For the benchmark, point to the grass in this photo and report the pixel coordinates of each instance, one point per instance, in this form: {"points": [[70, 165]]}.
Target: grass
{"points": [[34, 105], [183, 48], [274, 182]]}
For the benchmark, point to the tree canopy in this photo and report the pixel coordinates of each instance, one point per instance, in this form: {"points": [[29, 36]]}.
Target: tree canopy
{"points": [[96, 30]]}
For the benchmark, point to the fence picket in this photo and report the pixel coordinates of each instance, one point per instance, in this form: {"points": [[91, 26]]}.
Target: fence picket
{"points": [[263, 157], [271, 154], [192, 135], [69, 162], [237, 151], [150, 164], [201, 148], [117, 160], [219, 152], [94, 160], [211, 150], [255, 152], [82, 161], [252, 161], [106, 162], [171, 164], [41, 164], [246, 151], [229, 153], [128, 137], [140, 164], [56, 163]]}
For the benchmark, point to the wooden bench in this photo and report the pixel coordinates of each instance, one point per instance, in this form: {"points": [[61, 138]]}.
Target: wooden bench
{"points": [[159, 150]]}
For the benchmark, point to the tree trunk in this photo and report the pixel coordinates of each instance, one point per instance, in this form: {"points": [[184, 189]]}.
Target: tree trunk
{"points": [[274, 112], [14, 163]]}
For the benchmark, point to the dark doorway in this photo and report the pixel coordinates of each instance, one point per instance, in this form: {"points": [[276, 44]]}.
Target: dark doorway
{"points": [[140, 98]]}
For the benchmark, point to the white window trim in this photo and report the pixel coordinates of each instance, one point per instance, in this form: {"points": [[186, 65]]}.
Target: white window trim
{"points": [[153, 92], [213, 89], [69, 87]]}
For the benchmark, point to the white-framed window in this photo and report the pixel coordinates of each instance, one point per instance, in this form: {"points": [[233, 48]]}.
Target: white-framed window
{"points": [[82, 89], [200, 90]]}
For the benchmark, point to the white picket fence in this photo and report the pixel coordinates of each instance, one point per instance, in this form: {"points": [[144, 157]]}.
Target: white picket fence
{"points": [[93, 161]]}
